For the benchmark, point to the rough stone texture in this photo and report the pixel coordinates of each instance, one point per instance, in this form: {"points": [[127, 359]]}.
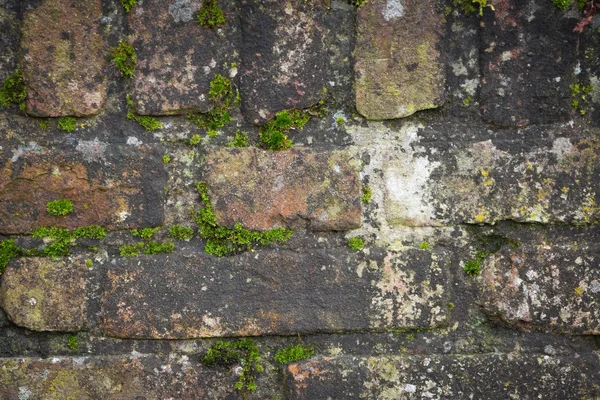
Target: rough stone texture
{"points": [[63, 58], [264, 189], [434, 184], [272, 293], [43, 294], [548, 287], [398, 68], [284, 55], [173, 376], [527, 60], [493, 376], [104, 189], [9, 36], [177, 58]]}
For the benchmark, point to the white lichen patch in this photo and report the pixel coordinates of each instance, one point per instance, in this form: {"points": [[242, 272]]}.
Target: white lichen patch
{"points": [[92, 150], [393, 9]]}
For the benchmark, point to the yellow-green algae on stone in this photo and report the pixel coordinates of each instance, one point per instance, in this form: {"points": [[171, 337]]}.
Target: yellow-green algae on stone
{"points": [[397, 68], [45, 294]]}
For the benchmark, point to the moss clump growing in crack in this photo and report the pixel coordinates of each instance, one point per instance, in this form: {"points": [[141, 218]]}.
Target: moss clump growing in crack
{"points": [[8, 251], [194, 140], [131, 250], [62, 239], [147, 246], [358, 3], [73, 342], [240, 140], [44, 125], [60, 207], [13, 91], [124, 58], [159, 247], [210, 15], [149, 123], [221, 96], [145, 233], [166, 159], [488, 244], [273, 135], [181, 232], [579, 94], [128, 4], [356, 243], [424, 245], [222, 241], [469, 6], [67, 124], [366, 194], [473, 266], [243, 352], [294, 353]]}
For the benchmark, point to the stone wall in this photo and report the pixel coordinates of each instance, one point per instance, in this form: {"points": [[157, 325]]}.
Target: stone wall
{"points": [[403, 194]]}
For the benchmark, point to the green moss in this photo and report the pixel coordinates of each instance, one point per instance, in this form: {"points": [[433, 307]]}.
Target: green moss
{"points": [[469, 6], [240, 140], [159, 247], [149, 123], [424, 245], [295, 353], [358, 3], [273, 135], [73, 342], [89, 263], [166, 159], [8, 251], [473, 267], [89, 232], [243, 352], [145, 233], [467, 100], [562, 4], [44, 124], [131, 250], [356, 243], [124, 58], [128, 4], [181, 232], [340, 121], [451, 306], [579, 95], [210, 15], [13, 90], [366, 194], [59, 207], [67, 124], [63, 239], [221, 96], [222, 241], [194, 140]]}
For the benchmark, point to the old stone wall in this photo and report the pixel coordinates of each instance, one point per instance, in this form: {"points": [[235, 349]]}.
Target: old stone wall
{"points": [[300, 199]]}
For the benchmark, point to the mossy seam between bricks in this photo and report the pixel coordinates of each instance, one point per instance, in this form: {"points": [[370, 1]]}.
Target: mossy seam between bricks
{"points": [[223, 241], [13, 91]]}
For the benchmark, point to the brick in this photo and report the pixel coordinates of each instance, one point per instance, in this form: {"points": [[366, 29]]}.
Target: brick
{"points": [[177, 58], [115, 378], [398, 67], [272, 293], [64, 63], [127, 191], [545, 287], [45, 294], [527, 59], [264, 189], [477, 376], [284, 56]]}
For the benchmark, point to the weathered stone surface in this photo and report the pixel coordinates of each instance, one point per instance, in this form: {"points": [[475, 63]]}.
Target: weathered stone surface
{"points": [[43, 294], [547, 287], [9, 37], [177, 58], [110, 186], [284, 57], [116, 378], [527, 61], [272, 293], [436, 184], [398, 66], [64, 58], [264, 189], [493, 376]]}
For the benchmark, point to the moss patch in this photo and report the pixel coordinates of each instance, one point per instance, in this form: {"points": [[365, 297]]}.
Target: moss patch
{"points": [[469, 6], [243, 352], [295, 353], [62, 239], [124, 58], [8, 251], [356, 243], [128, 4], [181, 232], [67, 124], [222, 241], [59, 207], [210, 15], [221, 95], [149, 123], [240, 140], [13, 90]]}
